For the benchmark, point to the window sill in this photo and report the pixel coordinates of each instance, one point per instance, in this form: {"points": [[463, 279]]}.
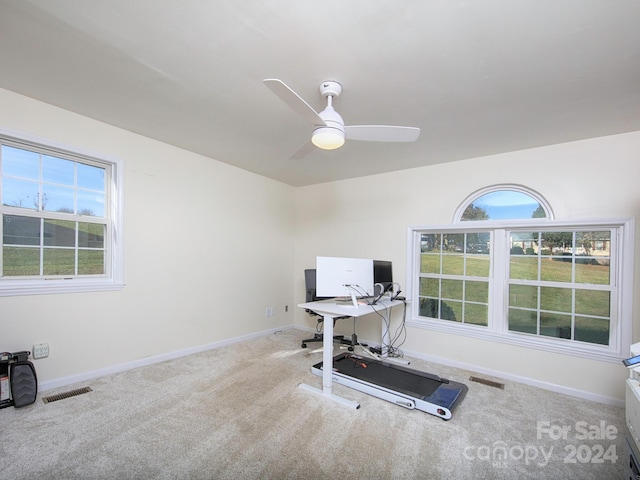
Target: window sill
{"points": [[58, 286], [554, 345]]}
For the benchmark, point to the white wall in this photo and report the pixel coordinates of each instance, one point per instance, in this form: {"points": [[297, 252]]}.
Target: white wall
{"points": [[596, 178], [207, 248]]}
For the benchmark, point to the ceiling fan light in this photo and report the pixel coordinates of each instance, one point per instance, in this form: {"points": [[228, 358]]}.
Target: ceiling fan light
{"points": [[327, 138]]}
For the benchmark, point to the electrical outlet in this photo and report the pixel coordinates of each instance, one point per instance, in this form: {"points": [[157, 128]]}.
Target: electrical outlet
{"points": [[269, 312], [41, 350]]}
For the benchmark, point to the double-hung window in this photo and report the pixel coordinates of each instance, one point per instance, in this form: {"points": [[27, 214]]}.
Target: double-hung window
{"points": [[61, 219], [563, 286]]}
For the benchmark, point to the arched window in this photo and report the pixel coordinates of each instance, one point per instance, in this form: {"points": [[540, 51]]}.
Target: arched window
{"points": [[503, 202]]}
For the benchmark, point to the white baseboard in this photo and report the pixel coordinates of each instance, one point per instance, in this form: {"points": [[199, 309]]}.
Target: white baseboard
{"points": [[83, 377], [553, 387]]}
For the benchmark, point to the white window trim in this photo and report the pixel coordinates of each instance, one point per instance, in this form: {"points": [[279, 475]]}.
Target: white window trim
{"points": [[497, 331], [114, 279]]}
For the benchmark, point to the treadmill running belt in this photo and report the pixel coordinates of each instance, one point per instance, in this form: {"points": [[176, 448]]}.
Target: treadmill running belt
{"points": [[411, 382]]}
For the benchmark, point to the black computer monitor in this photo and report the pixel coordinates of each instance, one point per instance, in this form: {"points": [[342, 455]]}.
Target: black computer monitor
{"points": [[382, 274]]}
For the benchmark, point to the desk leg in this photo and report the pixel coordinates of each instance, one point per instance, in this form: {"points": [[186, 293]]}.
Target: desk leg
{"points": [[327, 367], [327, 355]]}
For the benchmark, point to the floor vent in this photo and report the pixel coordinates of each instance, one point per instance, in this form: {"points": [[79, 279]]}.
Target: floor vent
{"points": [[63, 395], [484, 381]]}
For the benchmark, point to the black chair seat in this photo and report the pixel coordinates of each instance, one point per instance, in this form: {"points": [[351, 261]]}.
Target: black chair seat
{"points": [[310, 285]]}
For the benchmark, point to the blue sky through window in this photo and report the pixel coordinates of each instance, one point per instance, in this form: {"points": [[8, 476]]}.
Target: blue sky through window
{"points": [[507, 204], [65, 185]]}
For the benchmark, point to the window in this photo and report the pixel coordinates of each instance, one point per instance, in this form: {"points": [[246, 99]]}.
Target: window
{"points": [[454, 277], [560, 286], [504, 202], [61, 219], [529, 280]]}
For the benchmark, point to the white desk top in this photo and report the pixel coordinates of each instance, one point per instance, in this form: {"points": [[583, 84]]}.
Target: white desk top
{"points": [[339, 309]]}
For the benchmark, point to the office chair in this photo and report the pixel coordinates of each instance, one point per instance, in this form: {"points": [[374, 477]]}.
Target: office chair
{"points": [[310, 285]]}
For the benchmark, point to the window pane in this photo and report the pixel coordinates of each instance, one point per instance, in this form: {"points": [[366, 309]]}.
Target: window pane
{"points": [[58, 170], [592, 330], [91, 177], [58, 261], [478, 243], [476, 314], [523, 296], [524, 243], [556, 269], [453, 264], [90, 235], [589, 302], [555, 299], [523, 268], [556, 243], [91, 203], [90, 262], [590, 243], [555, 325], [523, 321], [21, 230], [453, 242], [19, 193], [59, 233], [503, 204], [478, 265], [430, 263], [19, 261], [476, 292], [57, 199], [430, 242], [452, 289], [429, 287], [595, 271], [20, 163]]}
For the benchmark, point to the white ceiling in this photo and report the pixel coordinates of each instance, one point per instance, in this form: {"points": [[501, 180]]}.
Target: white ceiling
{"points": [[478, 77]]}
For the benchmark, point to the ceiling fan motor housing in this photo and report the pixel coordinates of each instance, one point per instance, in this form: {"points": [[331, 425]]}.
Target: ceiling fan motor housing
{"points": [[332, 118]]}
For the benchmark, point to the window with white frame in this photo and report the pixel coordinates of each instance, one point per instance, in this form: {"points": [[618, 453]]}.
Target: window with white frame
{"points": [[510, 273], [61, 219]]}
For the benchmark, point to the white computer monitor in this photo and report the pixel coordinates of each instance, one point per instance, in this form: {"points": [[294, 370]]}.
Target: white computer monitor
{"points": [[344, 277]]}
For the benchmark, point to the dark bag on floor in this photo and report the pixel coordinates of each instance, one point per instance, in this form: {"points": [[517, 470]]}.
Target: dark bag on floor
{"points": [[24, 383]]}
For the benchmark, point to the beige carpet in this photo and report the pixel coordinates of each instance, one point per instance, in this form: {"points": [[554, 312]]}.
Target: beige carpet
{"points": [[236, 413]]}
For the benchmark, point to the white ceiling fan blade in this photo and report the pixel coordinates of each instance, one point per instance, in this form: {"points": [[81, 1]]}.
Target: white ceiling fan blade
{"points": [[295, 102], [381, 133], [306, 149]]}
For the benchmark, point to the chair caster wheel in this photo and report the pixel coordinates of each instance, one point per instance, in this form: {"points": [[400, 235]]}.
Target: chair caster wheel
{"points": [[350, 349], [304, 345]]}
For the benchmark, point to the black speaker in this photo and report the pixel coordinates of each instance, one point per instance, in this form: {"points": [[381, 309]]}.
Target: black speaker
{"points": [[24, 383]]}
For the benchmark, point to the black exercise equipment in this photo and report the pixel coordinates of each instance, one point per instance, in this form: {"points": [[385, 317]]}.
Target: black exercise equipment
{"points": [[406, 387], [18, 380]]}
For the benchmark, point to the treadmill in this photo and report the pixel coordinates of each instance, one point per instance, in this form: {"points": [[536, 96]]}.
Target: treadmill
{"points": [[406, 387]]}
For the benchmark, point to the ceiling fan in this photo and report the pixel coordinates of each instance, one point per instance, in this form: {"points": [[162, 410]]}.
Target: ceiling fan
{"points": [[329, 130]]}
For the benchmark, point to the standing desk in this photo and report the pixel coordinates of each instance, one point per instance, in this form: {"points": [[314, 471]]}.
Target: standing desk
{"points": [[331, 309]]}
